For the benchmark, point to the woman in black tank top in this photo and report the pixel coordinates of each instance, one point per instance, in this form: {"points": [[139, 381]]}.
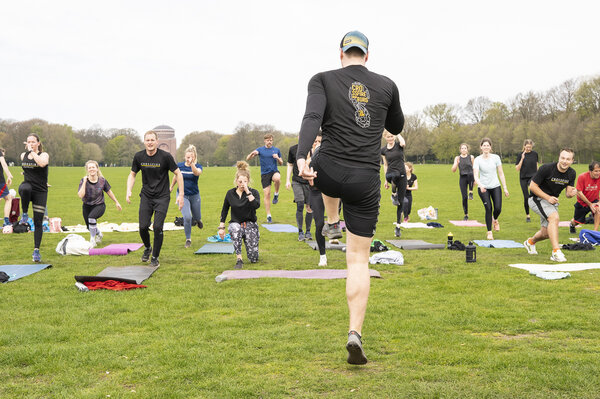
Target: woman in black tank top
{"points": [[464, 164], [392, 155], [34, 188], [4, 188]]}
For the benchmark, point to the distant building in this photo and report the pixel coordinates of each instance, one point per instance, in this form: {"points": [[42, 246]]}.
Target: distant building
{"points": [[166, 139]]}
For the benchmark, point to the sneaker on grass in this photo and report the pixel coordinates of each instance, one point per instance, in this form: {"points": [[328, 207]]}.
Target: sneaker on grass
{"points": [[308, 236], [146, 254], [37, 257], [332, 230], [154, 262], [239, 264], [356, 355], [572, 229], [301, 236], [558, 256], [188, 243], [530, 247]]}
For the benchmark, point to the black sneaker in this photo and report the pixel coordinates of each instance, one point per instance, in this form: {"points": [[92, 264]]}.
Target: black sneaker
{"points": [[200, 224], [154, 262], [188, 243], [466, 217], [146, 254], [332, 230], [470, 196], [356, 355], [572, 229], [528, 219], [397, 232], [308, 236], [239, 264], [275, 199]]}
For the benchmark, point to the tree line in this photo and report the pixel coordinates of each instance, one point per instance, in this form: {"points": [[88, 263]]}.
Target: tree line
{"points": [[567, 115]]}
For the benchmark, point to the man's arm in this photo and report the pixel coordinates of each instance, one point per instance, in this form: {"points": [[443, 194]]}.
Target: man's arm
{"points": [[316, 102], [251, 155], [179, 176], [570, 192], [394, 122], [130, 183]]}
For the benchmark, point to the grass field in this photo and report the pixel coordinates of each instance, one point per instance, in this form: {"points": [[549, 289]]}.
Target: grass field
{"points": [[436, 327]]}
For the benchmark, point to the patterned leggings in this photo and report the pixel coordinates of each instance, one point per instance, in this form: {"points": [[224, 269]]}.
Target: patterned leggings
{"points": [[247, 231]]}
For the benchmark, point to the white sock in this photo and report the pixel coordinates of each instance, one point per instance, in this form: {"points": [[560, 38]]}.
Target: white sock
{"points": [[277, 193], [322, 258]]}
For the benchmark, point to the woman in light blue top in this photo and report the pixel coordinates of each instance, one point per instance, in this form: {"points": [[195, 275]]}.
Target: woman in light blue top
{"points": [[488, 173]]}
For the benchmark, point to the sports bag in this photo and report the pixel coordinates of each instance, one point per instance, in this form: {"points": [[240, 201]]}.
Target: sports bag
{"points": [[15, 211], [73, 244], [589, 236]]}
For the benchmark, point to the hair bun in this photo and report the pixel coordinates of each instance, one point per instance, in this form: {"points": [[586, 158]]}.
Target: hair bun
{"points": [[242, 165]]}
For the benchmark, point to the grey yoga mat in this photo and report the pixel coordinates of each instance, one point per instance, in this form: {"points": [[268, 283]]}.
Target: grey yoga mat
{"points": [[127, 274], [415, 244]]}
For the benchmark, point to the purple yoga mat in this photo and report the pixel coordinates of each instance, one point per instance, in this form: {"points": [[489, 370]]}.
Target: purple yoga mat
{"points": [[322, 274], [116, 249], [466, 223]]}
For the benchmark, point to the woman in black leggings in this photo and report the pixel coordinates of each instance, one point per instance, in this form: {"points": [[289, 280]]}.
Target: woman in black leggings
{"points": [[318, 210], [464, 164], [392, 155], [34, 188], [527, 165]]}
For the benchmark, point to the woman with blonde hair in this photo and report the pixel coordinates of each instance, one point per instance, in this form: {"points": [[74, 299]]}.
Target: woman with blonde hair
{"points": [[392, 155], [527, 165], [91, 191], [243, 201], [191, 212]]}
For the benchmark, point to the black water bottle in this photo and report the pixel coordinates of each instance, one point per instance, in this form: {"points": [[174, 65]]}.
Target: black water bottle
{"points": [[450, 240], [471, 253]]}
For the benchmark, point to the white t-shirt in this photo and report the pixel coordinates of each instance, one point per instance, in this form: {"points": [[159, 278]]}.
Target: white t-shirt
{"points": [[488, 176]]}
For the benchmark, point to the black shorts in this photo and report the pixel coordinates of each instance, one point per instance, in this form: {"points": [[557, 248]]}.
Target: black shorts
{"points": [[581, 212], [358, 188], [266, 178]]}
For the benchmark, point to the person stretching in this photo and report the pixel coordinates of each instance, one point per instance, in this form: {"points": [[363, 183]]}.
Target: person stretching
{"points": [[487, 167], [464, 164], [411, 185], [243, 201], [301, 194], [527, 165], [588, 186], [392, 155], [269, 157], [91, 191], [4, 187]]}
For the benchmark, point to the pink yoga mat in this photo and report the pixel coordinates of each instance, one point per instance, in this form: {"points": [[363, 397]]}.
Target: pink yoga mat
{"points": [[466, 223], [322, 274], [116, 249], [564, 224]]}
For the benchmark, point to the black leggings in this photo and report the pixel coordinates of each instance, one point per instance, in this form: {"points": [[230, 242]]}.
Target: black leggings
{"points": [[466, 184], [39, 200], [158, 207], [94, 212], [525, 188], [398, 182], [407, 207], [492, 198], [318, 214]]}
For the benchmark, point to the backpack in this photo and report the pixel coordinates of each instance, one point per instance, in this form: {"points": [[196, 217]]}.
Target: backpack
{"points": [[589, 236], [15, 210], [73, 244], [21, 227]]}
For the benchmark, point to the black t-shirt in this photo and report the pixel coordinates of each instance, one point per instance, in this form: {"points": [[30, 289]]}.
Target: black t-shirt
{"points": [[410, 183], [2, 181], [529, 166], [242, 209], [465, 165], [394, 157], [34, 174], [292, 159], [352, 106], [552, 181], [155, 172]]}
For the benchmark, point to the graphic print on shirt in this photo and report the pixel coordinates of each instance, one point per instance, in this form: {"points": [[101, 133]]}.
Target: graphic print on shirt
{"points": [[359, 96]]}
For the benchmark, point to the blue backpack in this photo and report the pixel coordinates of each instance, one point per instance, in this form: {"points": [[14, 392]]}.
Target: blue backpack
{"points": [[589, 236]]}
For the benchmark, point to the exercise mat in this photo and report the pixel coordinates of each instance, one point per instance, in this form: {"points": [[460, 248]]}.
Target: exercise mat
{"points": [[321, 274], [116, 249], [215, 248], [415, 244], [340, 247], [498, 244], [555, 267], [128, 274], [16, 272], [280, 228], [466, 223]]}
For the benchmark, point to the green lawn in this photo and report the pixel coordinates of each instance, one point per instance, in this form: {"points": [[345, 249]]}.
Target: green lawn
{"points": [[436, 327]]}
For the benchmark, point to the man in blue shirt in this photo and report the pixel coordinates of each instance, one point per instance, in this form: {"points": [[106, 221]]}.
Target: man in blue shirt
{"points": [[269, 157]]}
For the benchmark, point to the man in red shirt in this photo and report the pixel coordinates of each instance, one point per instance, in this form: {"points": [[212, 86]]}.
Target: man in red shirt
{"points": [[588, 187]]}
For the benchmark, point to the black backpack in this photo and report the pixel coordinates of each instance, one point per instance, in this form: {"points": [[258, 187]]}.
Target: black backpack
{"points": [[19, 227]]}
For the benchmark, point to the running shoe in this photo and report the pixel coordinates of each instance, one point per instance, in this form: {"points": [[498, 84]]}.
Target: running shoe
{"points": [[301, 236], [334, 241], [322, 260], [239, 264], [188, 243], [397, 232], [496, 225], [356, 355], [275, 199], [154, 262], [572, 229], [99, 237], [558, 256], [530, 247], [332, 230], [92, 242], [528, 220], [269, 219], [406, 220], [308, 236], [490, 236], [470, 196], [394, 198], [37, 257], [200, 224], [466, 217], [146, 254]]}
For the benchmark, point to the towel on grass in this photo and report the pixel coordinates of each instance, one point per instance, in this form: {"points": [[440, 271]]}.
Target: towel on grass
{"points": [[387, 257], [411, 225]]}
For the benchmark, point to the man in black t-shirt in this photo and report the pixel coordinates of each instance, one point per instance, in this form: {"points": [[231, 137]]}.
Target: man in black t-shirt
{"points": [[352, 106], [155, 195], [547, 184], [301, 194]]}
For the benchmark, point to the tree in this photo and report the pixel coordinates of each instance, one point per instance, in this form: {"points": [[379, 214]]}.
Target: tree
{"points": [[588, 98], [476, 109], [443, 113], [119, 150], [417, 137], [206, 144], [92, 151]]}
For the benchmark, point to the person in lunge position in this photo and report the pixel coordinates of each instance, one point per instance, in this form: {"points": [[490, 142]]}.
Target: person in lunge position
{"points": [[464, 164], [527, 165], [269, 157], [588, 186], [155, 196], [91, 191], [547, 184], [243, 201], [301, 194], [4, 187], [392, 155], [352, 106]]}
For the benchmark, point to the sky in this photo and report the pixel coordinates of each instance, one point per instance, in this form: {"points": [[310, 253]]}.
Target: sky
{"points": [[211, 65]]}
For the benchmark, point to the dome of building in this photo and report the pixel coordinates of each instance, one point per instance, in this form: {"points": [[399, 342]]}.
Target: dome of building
{"points": [[164, 127]]}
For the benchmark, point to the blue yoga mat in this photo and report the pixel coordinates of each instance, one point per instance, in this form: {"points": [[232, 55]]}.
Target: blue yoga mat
{"points": [[216, 248], [498, 244], [280, 228], [15, 272]]}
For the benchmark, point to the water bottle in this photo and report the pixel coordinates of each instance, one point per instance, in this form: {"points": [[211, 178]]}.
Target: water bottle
{"points": [[450, 239], [81, 287], [471, 253]]}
